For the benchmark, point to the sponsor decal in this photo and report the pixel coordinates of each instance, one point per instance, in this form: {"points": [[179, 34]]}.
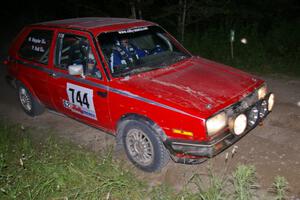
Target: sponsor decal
{"points": [[133, 30], [80, 101], [37, 44]]}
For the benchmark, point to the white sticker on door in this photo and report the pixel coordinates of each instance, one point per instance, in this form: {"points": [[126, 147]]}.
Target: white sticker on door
{"points": [[80, 100]]}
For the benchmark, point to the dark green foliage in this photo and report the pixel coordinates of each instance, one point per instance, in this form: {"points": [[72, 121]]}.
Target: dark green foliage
{"points": [[274, 51]]}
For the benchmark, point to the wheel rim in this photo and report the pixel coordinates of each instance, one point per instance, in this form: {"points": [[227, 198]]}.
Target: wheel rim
{"points": [[25, 99], [139, 147]]}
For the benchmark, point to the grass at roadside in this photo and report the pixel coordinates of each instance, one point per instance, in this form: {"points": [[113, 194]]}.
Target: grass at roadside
{"points": [[33, 169], [280, 187], [33, 166]]}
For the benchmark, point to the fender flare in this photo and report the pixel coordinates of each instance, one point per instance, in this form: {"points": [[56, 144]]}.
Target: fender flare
{"points": [[28, 86], [143, 119]]}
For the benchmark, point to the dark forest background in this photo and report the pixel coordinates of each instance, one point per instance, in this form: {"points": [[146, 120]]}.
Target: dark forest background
{"points": [[271, 27]]}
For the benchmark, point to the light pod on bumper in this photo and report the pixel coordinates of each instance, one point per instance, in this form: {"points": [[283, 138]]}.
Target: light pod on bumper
{"points": [[263, 108], [271, 101], [238, 124], [253, 116]]}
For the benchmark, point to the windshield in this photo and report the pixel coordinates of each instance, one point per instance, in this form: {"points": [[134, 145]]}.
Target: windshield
{"points": [[136, 50]]}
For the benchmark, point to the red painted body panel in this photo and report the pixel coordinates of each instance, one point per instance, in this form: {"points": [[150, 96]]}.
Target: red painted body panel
{"points": [[188, 86], [191, 85], [165, 118], [96, 24], [35, 80], [181, 96], [58, 90]]}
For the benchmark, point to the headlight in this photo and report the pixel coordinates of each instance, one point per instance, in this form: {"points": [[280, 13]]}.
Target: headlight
{"points": [[216, 123], [262, 92], [271, 101], [239, 124]]}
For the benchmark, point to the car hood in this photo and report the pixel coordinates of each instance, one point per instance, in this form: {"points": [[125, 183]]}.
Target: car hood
{"points": [[194, 85]]}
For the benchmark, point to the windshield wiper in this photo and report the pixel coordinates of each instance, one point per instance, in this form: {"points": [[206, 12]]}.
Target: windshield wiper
{"points": [[151, 66], [179, 57], [121, 71], [172, 61], [127, 72], [139, 70]]}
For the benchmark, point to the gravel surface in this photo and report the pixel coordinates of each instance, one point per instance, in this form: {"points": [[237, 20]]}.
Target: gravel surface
{"points": [[272, 148]]}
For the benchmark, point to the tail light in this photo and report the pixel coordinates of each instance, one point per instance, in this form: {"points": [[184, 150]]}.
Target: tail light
{"points": [[6, 61]]}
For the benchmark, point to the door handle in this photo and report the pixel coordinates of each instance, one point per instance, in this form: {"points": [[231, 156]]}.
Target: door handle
{"points": [[102, 94], [53, 74]]}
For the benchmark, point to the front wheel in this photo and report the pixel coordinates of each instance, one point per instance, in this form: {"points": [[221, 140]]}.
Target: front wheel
{"points": [[29, 103], [143, 147]]}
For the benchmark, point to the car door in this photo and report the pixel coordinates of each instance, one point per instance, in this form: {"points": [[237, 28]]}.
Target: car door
{"points": [[85, 96], [33, 60]]}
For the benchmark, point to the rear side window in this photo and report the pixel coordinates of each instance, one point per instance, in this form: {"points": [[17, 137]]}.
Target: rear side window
{"points": [[36, 46]]}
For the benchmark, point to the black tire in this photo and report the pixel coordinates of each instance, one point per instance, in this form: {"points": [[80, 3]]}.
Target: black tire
{"points": [[140, 140], [28, 102]]}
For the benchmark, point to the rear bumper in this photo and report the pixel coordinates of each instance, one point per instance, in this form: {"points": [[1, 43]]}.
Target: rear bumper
{"points": [[182, 150]]}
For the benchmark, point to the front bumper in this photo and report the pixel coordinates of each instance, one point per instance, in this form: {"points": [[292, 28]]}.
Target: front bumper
{"points": [[183, 151]]}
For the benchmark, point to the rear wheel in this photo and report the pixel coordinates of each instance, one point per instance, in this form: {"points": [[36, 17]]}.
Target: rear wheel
{"points": [[28, 102], [143, 146]]}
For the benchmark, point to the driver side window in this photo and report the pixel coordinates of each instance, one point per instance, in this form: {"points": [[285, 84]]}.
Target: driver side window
{"points": [[75, 50]]}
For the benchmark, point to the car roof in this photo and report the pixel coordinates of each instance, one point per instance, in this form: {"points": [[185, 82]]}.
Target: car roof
{"points": [[95, 24]]}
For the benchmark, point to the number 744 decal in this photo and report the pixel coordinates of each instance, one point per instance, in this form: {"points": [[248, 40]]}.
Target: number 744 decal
{"points": [[80, 100]]}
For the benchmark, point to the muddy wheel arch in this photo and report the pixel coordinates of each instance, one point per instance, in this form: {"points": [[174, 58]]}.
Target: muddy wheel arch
{"points": [[153, 136], [141, 118]]}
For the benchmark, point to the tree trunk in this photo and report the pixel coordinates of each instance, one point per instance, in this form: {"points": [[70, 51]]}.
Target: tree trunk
{"points": [[139, 6], [181, 19], [132, 7]]}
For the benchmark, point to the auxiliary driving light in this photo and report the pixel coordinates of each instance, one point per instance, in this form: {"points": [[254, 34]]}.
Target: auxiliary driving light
{"points": [[271, 101], [263, 109], [239, 124], [253, 116]]}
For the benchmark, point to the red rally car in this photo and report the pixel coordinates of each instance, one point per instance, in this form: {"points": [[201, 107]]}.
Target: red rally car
{"points": [[153, 95]]}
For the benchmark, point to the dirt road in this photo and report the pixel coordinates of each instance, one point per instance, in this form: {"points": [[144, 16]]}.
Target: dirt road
{"points": [[274, 148]]}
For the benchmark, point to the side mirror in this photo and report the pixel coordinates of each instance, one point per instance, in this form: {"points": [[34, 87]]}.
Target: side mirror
{"points": [[75, 69]]}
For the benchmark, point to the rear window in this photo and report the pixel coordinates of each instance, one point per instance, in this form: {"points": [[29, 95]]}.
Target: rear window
{"points": [[36, 46]]}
